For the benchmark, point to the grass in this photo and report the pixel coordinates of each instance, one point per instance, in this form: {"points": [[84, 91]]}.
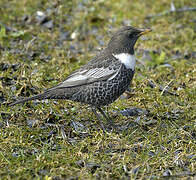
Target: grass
{"points": [[34, 57]]}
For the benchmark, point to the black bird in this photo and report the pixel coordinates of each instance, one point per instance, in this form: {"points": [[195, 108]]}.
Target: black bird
{"points": [[103, 79]]}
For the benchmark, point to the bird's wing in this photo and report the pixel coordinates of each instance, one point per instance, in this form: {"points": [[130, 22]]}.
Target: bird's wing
{"points": [[89, 74]]}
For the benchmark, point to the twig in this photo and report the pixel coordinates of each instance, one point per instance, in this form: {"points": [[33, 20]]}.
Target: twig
{"points": [[163, 90], [172, 11]]}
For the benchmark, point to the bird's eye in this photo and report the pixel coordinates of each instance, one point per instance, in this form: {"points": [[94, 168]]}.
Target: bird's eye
{"points": [[130, 35]]}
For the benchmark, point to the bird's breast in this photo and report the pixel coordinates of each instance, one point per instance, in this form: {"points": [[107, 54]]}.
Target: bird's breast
{"points": [[127, 59]]}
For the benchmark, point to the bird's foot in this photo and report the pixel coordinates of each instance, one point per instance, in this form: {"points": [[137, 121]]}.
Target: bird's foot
{"points": [[110, 122]]}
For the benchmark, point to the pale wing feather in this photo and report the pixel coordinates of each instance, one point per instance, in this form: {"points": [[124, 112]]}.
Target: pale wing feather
{"points": [[88, 76]]}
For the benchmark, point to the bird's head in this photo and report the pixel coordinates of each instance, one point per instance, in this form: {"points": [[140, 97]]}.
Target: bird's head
{"points": [[124, 39]]}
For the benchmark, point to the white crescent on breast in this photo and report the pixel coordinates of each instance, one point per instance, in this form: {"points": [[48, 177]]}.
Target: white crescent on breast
{"points": [[127, 59]]}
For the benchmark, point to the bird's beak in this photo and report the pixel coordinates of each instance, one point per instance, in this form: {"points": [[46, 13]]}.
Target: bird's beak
{"points": [[144, 31]]}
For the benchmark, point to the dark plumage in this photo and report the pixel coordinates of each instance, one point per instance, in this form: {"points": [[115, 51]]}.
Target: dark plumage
{"points": [[103, 79]]}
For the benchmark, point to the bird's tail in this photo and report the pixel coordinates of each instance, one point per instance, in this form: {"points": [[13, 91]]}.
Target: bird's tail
{"points": [[39, 96]]}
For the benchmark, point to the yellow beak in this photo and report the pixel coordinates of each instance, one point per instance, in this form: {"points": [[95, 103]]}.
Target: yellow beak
{"points": [[144, 31]]}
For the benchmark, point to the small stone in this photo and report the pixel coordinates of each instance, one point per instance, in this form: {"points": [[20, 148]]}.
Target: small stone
{"points": [[133, 112], [167, 173]]}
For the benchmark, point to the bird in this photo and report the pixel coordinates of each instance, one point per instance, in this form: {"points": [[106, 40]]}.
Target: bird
{"points": [[104, 78]]}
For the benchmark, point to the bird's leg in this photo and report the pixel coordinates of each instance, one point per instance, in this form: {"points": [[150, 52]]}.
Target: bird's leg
{"points": [[105, 116], [98, 117]]}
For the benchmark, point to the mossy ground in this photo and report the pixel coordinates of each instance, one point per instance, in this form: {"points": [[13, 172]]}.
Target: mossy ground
{"points": [[35, 56]]}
